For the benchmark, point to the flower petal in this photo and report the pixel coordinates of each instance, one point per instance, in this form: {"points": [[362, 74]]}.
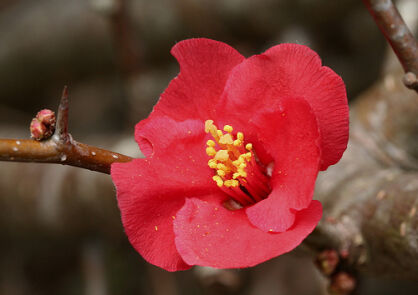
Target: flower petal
{"points": [[290, 70], [209, 235], [150, 191], [204, 68], [291, 138]]}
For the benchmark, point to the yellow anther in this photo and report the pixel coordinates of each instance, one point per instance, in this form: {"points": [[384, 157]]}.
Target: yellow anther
{"points": [[230, 162], [238, 162], [231, 183], [228, 183], [214, 131], [237, 142], [221, 172], [228, 128], [208, 125], [210, 151], [222, 167], [221, 155], [212, 164], [226, 139], [218, 180], [210, 143]]}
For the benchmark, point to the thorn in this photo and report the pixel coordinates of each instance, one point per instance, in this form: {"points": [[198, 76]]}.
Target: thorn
{"points": [[62, 116]]}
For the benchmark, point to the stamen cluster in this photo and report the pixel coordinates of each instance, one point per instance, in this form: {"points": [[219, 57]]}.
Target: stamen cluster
{"points": [[234, 163], [231, 159]]}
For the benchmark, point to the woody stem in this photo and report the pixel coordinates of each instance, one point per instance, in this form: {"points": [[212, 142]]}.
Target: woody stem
{"points": [[60, 148], [399, 36]]}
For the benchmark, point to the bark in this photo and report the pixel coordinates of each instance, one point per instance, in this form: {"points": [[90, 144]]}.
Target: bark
{"points": [[370, 197]]}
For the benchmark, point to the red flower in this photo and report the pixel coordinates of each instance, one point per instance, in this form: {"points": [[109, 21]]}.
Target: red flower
{"points": [[231, 199]]}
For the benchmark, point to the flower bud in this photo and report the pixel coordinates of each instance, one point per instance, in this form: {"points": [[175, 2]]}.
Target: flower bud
{"points": [[43, 125], [47, 117], [327, 261], [37, 129]]}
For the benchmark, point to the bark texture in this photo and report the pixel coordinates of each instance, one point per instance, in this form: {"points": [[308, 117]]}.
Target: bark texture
{"points": [[370, 197]]}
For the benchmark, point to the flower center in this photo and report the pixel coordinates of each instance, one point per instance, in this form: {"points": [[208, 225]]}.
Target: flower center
{"points": [[237, 171]]}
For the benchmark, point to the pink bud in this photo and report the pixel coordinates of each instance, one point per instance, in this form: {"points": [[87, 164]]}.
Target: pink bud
{"points": [[342, 284], [327, 261], [46, 117], [37, 129], [43, 125]]}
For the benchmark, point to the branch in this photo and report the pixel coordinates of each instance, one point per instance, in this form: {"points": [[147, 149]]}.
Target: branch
{"points": [[399, 36], [370, 197], [60, 148]]}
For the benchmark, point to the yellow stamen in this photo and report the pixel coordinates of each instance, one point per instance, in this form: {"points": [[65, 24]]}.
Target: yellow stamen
{"points": [[237, 142], [226, 139], [218, 180], [222, 167], [221, 172], [228, 128], [210, 143], [230, 161], [231, 183], [221, 155], [212, 164], [208, 125], [210, 151]]}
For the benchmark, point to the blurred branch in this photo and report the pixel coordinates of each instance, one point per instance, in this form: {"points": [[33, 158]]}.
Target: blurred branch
{"points": [[60, 148], [370, 197], [399, 36], [127, 52]]}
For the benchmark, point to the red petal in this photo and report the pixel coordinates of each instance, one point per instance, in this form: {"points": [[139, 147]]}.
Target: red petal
{"points": [[209, 235], [291, 137], [290, 70], [150, 191], [204, 68]]}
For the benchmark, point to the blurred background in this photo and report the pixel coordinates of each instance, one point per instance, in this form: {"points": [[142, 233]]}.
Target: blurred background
{"points": [[60, 229]]}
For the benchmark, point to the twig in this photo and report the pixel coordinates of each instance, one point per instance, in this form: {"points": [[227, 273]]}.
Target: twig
{"points": [[370, 197], [60, 148], [399, 36], [126, 49]]}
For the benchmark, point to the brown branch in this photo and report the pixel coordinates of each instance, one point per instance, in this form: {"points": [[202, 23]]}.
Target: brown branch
{"points": [[60, 148], [398, 35], [127, 51], [370, 197], [52, 151]]}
